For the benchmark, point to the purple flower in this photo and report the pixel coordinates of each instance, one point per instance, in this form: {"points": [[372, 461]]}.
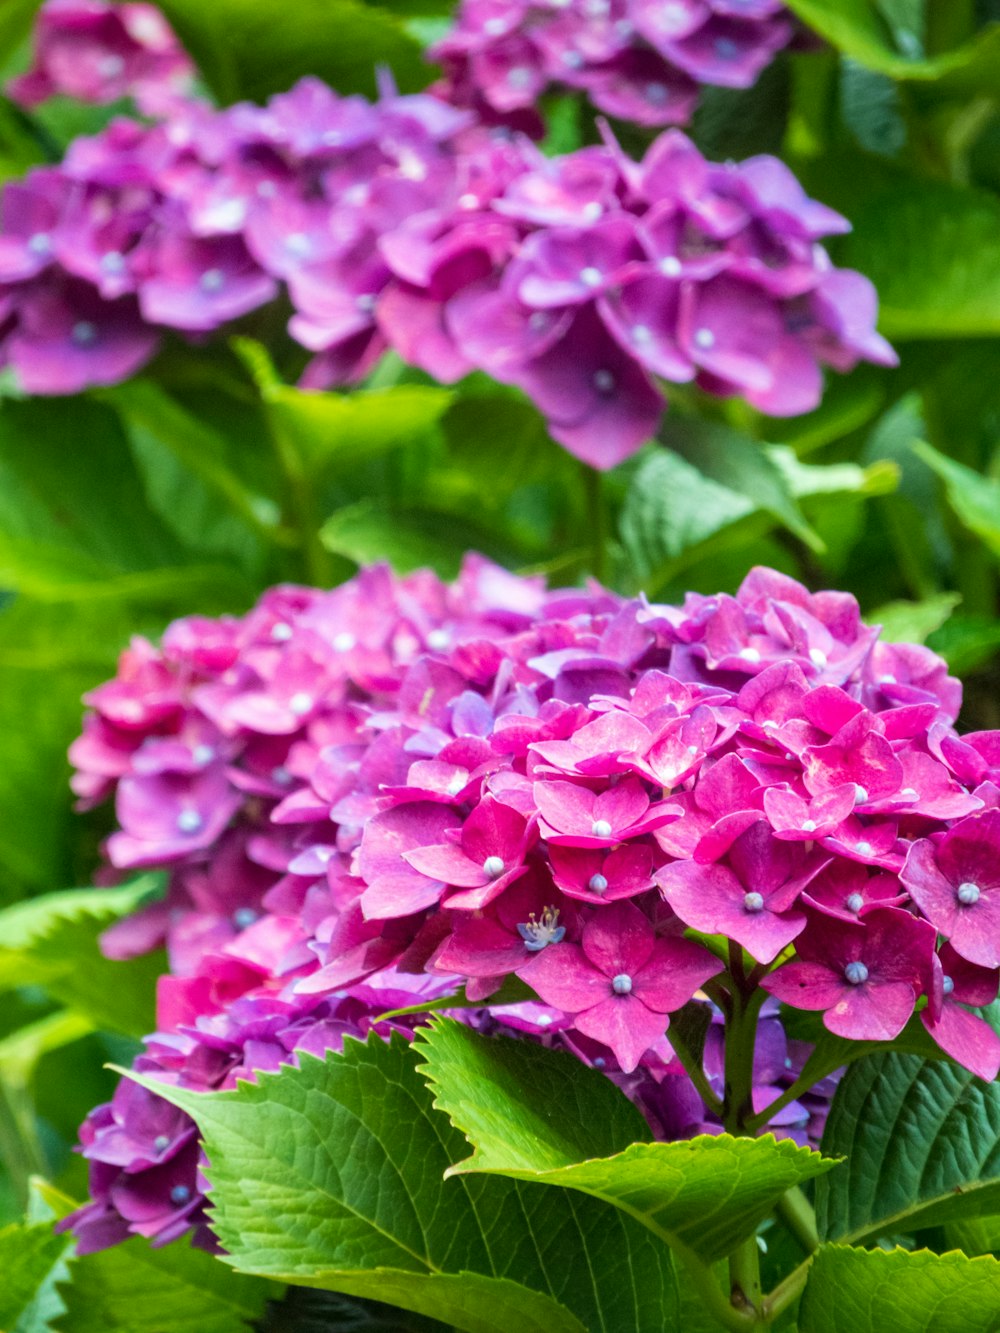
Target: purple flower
{"points": [[620, 982], [66, 338], [98, 52]]}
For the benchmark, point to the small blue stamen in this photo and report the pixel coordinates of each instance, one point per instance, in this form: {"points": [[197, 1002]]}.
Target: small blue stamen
{"points": [[540, 932], [622, 984]]}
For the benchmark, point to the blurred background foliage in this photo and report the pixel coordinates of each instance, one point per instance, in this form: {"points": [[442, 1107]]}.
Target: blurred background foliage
{"points": [[193, 487]]}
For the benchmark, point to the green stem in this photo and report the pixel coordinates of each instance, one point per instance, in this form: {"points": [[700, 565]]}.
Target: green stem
{"points": [[741, 1035], [712, 1296], [744, 1275], [695, 1073], [303, 513], [787, 1292], [799, 1217]]}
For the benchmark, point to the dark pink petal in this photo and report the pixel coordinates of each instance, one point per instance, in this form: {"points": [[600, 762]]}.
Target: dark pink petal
{"points": [[563, 976], [623, 1023], [871, 1013], [674, 971], [619, 940], [967, 1038], [805, 985]]}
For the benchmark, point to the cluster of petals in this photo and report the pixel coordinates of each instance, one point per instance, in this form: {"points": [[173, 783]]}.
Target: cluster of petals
{"points": [[639, 60], [552, 801], [100, 52], [585, 280]]}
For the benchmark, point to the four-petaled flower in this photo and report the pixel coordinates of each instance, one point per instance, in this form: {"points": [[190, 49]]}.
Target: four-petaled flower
{"points": [[621, 981]]}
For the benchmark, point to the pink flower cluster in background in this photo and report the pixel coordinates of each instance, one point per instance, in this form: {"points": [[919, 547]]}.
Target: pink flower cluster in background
{"points": [[639, 60], [585, 280], [402, 787], [94, 51]]}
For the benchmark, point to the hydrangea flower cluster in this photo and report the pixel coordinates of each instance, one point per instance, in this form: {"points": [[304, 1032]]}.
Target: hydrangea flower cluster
{"points": [[639, 60], [400, 790], [401, 223], [95, 51]]}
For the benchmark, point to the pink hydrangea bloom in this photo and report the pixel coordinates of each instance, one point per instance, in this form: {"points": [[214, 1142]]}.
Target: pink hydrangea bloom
{"points": [[405, 785]]}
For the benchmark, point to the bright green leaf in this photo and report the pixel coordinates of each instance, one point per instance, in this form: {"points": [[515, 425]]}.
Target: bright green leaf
{"points": [[409, 537], [854, 27], [933, 251], [878, 1291], [538, 1115], [974, 498], [28, 1254], [51, 941], [966, 642], [912, 622], [739, 463], [135, 1288], [332, 1175], [922, 1142], [245, 49]]}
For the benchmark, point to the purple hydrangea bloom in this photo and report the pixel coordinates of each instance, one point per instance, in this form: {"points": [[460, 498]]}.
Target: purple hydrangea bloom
{"points": [[400, 223]]}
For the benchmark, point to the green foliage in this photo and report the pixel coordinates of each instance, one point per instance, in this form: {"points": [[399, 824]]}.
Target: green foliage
{"points": [[382, 1222], [28, 1256], [51, 942], [868, 1291], [535, 1115], [857, 29], [242, 52], [933, 251], [176, 1289], [922, 1142]]}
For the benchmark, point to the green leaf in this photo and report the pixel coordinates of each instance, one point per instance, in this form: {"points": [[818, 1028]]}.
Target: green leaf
{"points": [[735, 461], [933, 251], [332, 1175], [74, 518], [28, 1254], [975, 1235], [332, 432], [203, 499], [672, 513], [912, 622], [135, 1288], [51, 941], [854, 27], [874, 1291], [16, 18], [538, 1115], [21, 1051], [245, 49], [48, 656], [974, 498], [966, 642], [922, 1139], [409, 537], [78, 495]]}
